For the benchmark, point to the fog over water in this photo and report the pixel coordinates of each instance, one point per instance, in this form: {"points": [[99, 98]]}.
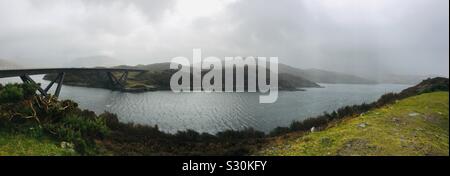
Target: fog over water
{"points": [[354, 36]]}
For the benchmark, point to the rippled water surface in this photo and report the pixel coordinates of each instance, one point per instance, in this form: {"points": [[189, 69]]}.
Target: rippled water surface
{"points": [[213, 112]]}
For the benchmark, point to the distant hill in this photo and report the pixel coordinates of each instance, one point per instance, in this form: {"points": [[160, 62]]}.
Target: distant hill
{"points": [[286, 81], [94, 61], [322, 76], [401, 79], [290, 78], [158, 67], [313, 75], [158, 78], [426, 86], [4, 65]]}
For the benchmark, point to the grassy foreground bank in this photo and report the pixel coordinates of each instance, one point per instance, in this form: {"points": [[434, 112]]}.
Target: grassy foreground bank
{"points": [[417, 125], [22, 145]]}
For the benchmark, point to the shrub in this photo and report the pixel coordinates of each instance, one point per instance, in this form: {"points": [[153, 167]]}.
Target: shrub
{"points": [[307, 124], [239, 135], [11, 93], [279, 131], [29, 90], [79, 130], [188, 135], [387, 99]]}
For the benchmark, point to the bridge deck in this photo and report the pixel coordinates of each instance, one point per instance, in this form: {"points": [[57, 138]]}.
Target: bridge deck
{"points": [[41, 71]]}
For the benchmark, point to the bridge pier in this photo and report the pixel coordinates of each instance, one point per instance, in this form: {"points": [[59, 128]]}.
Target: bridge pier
{"points": [[27, 79], [115, 82], [60, 79], [118, 83], [24, 74], [44, 92]]}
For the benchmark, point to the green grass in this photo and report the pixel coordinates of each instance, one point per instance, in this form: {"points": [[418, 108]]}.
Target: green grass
{"points": [[23, 145], [417, 126]]}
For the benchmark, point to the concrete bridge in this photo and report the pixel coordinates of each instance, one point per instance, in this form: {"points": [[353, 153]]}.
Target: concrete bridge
{"points": [[24, 74]]}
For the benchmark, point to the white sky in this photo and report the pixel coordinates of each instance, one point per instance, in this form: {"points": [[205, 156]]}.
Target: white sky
{"points": [[354, 36]]}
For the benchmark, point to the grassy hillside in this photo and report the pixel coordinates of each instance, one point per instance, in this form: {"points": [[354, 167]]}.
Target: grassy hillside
{"points": [[23, 145], [322, 76], [417, 125]]}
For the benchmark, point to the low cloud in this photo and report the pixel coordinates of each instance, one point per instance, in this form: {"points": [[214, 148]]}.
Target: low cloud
{"points": [[361, 37]]}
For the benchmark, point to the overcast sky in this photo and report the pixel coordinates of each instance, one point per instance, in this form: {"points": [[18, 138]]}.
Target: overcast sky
{"points": [[354, 36]]}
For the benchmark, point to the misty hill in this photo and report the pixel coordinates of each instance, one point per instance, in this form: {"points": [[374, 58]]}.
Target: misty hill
{"points": [[157, 67], [322, 76], [4, 65], [427, 86], [158, 78], [313, 75], [93, 61], [401, 79], [285, 81]]}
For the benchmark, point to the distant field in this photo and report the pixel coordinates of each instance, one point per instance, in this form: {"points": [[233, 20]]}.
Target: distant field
{"points": [[414, 126]]}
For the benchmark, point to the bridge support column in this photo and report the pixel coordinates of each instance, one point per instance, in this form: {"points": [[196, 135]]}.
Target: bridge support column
{"points": [[60, 79], [118, 83], [44, 92], [27, 79], [124, 77]]}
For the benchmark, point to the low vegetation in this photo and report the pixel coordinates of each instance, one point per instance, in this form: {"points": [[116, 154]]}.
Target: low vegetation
{"points": [[44, 126], [13, 144]]}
